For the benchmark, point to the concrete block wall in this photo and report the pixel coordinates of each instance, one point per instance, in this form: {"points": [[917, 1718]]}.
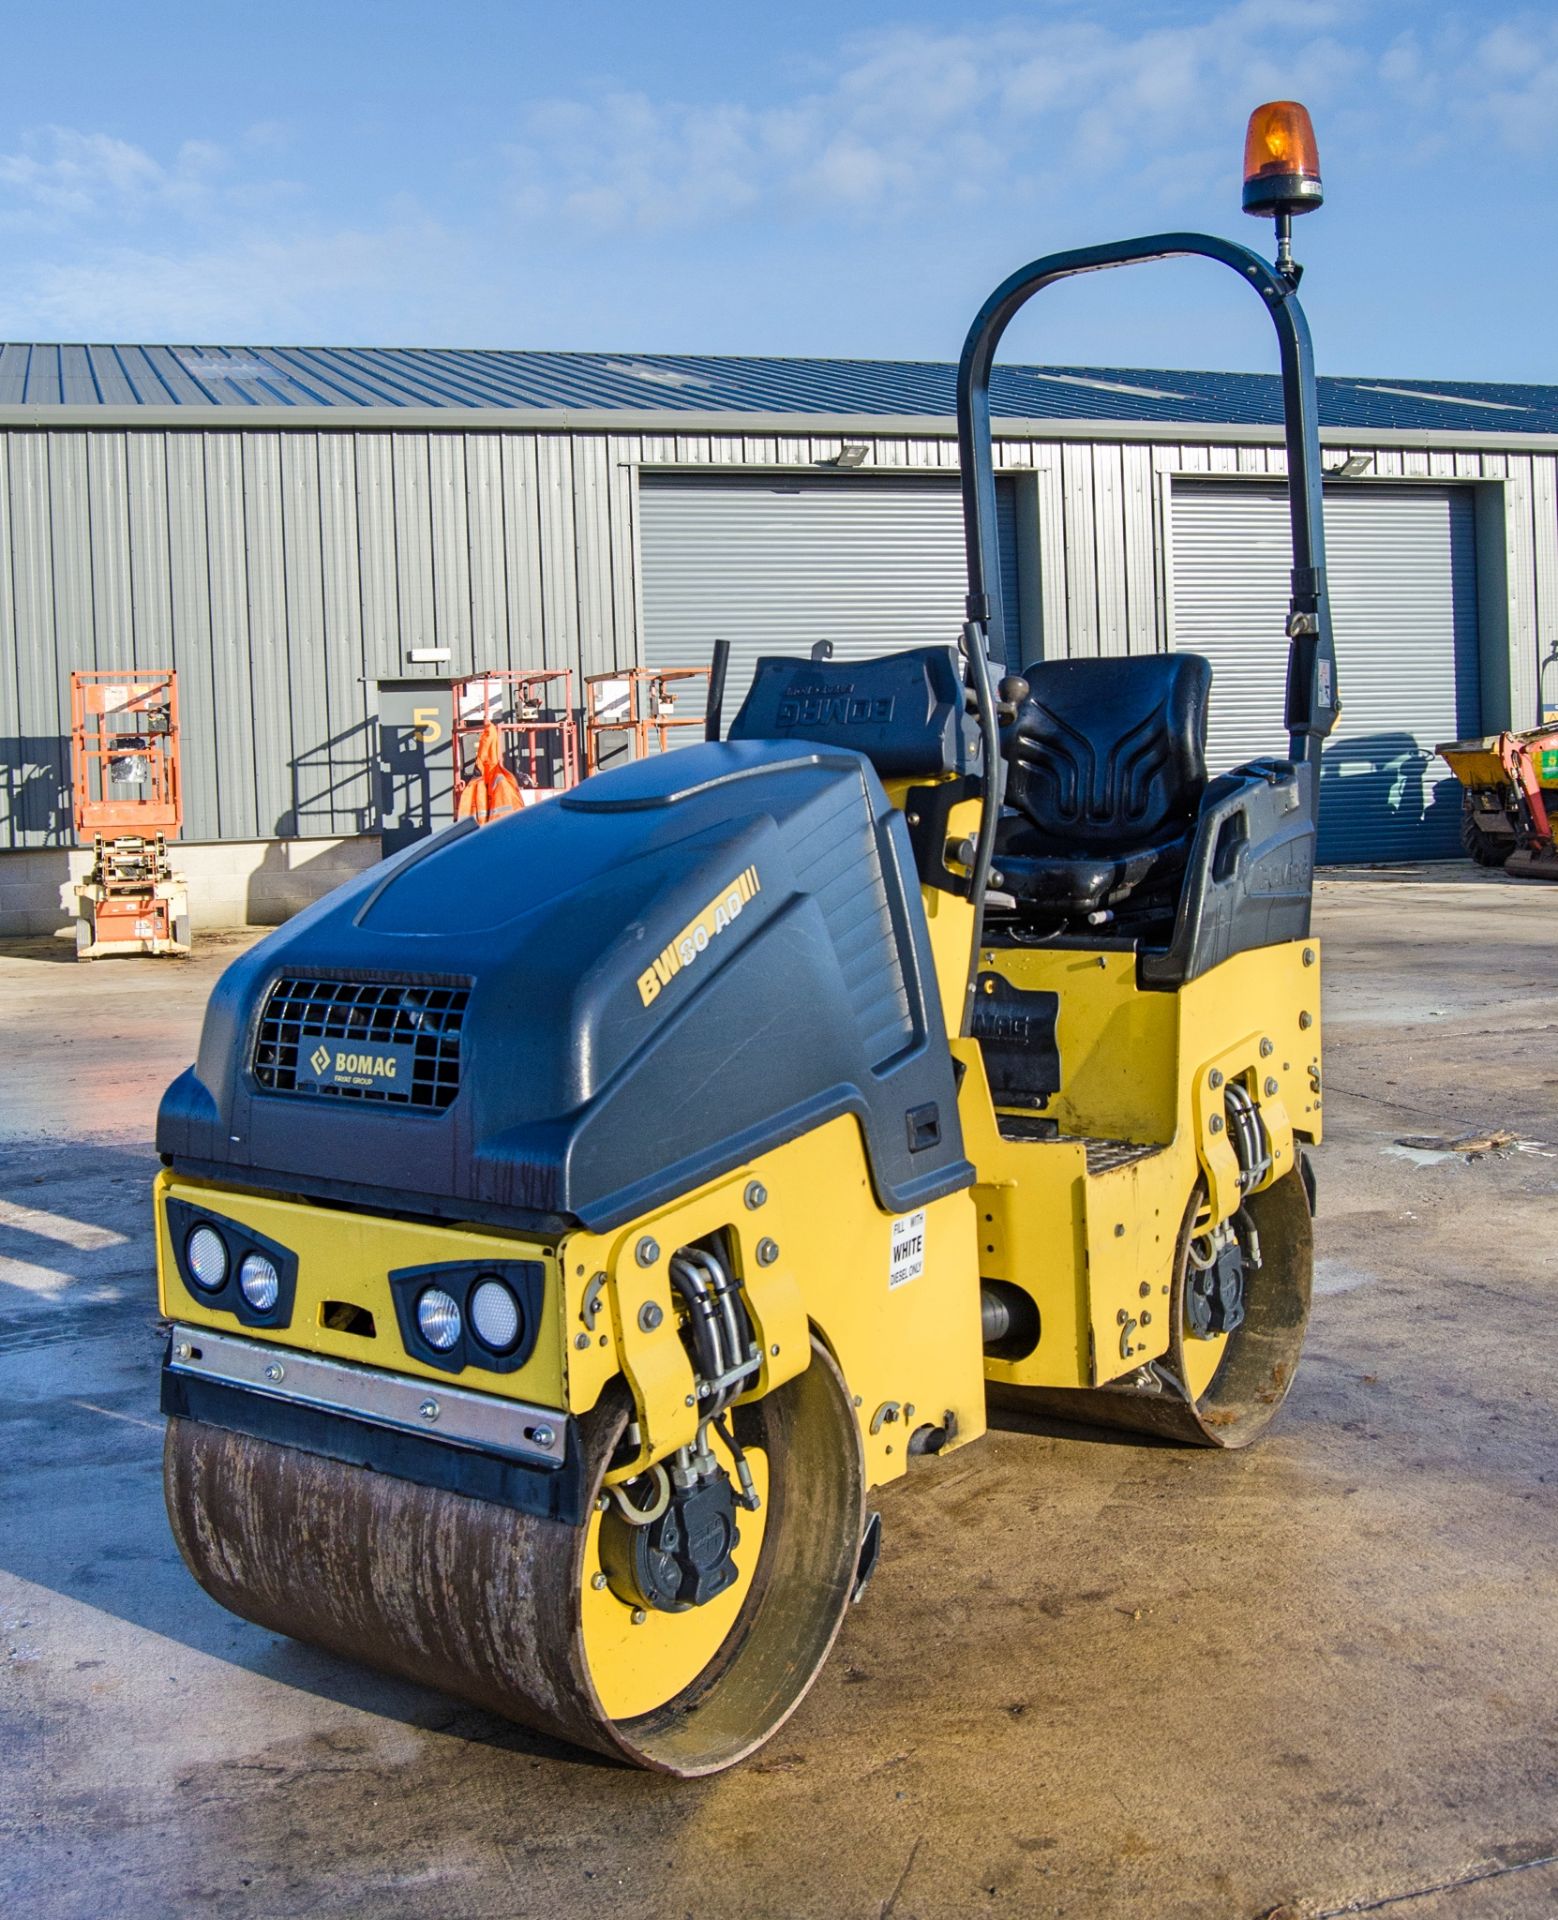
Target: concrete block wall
{"points": [[232, 883]]}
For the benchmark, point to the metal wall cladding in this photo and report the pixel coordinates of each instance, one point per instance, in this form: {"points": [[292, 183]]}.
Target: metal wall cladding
{"points": [[1401, 562], [283, 574], [774, 563], [284, 571]]}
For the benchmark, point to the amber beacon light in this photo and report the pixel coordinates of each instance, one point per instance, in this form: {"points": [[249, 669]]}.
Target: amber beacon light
{"points": [[1281, 161]]}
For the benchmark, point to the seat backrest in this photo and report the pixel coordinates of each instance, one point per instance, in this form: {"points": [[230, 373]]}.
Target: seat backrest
{"points": [[1110, 753], [903, 711]]}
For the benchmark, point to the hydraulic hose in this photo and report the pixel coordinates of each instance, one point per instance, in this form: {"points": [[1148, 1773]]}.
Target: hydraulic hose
{"points": [[703, 1316], [724, 1298]]}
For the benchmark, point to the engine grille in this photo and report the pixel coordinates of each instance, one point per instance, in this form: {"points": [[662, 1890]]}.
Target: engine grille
{"points": [[301, 1015]]}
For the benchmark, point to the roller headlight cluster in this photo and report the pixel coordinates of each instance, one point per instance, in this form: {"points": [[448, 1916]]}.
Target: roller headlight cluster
{"points": [[230, 1267], [485, 1312], [495, 1316]]}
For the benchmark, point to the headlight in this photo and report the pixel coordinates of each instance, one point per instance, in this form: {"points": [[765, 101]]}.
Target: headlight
{"points": [[259, 1282], [495, 1315], [438, 1319], [205, 1254]]}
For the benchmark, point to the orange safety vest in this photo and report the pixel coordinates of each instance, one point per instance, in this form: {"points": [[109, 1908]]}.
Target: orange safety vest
{"points": [[493, 791]]}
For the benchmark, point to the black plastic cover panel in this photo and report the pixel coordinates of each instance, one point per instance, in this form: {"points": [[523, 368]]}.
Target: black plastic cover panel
{"points": [[903, 711], [1250, 878], [1015, 1029], [678, 965]]}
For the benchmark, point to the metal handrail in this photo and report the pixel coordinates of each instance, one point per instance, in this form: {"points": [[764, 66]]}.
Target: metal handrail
{"points": [[1311, 703]]}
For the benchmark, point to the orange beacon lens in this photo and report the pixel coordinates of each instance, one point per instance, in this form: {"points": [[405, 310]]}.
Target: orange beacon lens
{"points": [[1281, 161]]}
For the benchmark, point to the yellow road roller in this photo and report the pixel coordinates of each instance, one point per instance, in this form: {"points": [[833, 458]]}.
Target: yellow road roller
{"points": [[567, 1224]]}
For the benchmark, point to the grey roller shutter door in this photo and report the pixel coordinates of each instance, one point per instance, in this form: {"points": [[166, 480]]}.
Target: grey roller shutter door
{"points": [[773, 564], [1402, 568]]}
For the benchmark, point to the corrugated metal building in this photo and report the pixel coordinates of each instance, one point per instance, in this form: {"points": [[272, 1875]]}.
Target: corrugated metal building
{"points": [[288, 527]]}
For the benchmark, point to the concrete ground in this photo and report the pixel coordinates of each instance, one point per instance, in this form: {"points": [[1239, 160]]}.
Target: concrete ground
{"points": [[1093, 1677]]}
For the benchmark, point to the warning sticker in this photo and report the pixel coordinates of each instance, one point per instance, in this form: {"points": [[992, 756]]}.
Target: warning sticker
{"points": [[906, 1260]]}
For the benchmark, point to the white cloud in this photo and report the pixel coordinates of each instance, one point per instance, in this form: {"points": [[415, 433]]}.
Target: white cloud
{"points": [[1519, 63], [915, 118], [918, 134], [1464, 87], [260, 287], [111, 241], [61, 176]]}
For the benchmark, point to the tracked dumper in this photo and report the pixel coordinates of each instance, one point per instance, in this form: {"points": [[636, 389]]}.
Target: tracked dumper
{"points": [[1510, 800], [568, 1224]]}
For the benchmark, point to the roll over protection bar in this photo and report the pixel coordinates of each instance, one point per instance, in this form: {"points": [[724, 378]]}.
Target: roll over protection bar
{"points": [[1311, 700]]}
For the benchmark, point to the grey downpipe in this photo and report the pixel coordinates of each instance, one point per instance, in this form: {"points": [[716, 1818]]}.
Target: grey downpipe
{"points": [[713, 710]]}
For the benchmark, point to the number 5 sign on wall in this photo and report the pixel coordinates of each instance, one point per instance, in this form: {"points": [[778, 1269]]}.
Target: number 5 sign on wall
{"points": [[414, 783]]}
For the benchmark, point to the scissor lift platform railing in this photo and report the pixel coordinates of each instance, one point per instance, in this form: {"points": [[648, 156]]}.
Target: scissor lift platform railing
{"points": [[638, 706], [534, 713]]}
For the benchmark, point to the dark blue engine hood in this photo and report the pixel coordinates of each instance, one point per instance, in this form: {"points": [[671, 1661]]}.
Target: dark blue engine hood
{"points": [[645, 982]]}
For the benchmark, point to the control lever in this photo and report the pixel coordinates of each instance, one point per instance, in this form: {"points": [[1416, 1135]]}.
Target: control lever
{"points": [[1009, 696]]}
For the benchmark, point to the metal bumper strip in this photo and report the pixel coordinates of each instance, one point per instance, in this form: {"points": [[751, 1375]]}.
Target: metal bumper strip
{"points": [[507, 1429]]}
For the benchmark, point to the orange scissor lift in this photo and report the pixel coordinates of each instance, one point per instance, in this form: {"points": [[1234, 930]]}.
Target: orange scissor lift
{"points": [[530, 712], [639, 703], [128, 804]]}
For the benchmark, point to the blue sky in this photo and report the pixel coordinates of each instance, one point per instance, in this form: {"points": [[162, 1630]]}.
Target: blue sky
{"points": [[796, 178]]}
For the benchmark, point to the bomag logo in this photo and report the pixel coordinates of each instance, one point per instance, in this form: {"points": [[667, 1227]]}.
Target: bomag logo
{"points": [[815, 703], [352, 1067], [377, 1066], [694, 938]]}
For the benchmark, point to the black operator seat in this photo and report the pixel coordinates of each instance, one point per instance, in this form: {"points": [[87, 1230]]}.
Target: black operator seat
{"points": [[1106, 771]]}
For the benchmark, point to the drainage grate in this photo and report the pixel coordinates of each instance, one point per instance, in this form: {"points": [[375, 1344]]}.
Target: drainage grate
{"points": [[305, 1018]]}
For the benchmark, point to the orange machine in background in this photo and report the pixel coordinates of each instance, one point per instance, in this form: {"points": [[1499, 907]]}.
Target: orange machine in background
{"points": [[639, 702], [533, 713], [1509, 814], [124, 764]]}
